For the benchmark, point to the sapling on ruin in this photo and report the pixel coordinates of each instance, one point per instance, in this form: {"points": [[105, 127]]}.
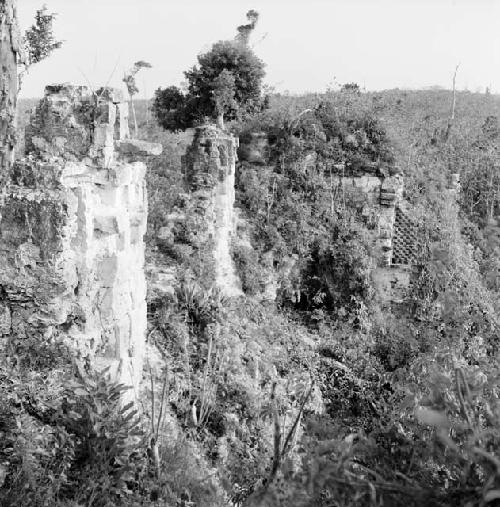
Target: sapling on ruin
{"points": [[226, 83], [129, 80]]}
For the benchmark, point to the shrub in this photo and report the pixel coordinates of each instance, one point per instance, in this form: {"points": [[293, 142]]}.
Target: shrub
{"points": [[249, 270], [82, 446]]}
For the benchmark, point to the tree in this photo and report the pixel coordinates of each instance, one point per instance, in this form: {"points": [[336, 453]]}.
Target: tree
{"points": [[129, 80], [227, 82], [17, 55], [39, 40], [244, 31], [451, 119], [351, 88], [170, 109], [224, 95], [481, 181]]}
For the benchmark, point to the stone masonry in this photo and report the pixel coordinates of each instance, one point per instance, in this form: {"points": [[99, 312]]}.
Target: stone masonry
{"points": [[379, 199], [72, 223], [377, 195], [209, 168]]}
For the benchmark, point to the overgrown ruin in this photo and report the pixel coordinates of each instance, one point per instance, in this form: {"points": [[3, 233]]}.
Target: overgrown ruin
{"points": [[376, 193], [378, 198], [73, 218], [209, 167]]}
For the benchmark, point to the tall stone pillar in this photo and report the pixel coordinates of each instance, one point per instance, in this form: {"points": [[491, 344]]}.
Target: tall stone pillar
{"points": [[209, 168], [72, 226]]}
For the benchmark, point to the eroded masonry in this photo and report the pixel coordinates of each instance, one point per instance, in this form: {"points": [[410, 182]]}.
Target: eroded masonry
{"points": [[73, 218], [378, 197], [209, 167], [376, 193]]}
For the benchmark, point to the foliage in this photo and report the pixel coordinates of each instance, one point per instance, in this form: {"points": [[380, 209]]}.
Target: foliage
{"points": [[244, 31], [164, 179], [87, 449], [297, 206], [130, 83], [404, 409], [171, 109], [129, 78], [249, 270], [39, 39], [227, 81], [224, 89]]}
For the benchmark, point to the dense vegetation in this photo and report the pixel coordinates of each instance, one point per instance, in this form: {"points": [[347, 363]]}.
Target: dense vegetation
{"points": [[325, 396], [394, 405], [408, 392]]}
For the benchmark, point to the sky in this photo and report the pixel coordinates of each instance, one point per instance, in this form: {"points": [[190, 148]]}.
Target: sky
{"points": [[307, 45]]}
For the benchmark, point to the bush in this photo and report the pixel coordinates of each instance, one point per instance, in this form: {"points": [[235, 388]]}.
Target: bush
{"points": [[246, 261], [83, 447]]}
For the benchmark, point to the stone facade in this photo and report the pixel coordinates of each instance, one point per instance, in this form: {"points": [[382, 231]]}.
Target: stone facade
{"points": [[209, 168], [376, 193], [72, 224], [379, 199]]}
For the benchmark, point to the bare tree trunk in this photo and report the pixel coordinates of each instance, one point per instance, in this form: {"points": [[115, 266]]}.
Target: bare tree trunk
{"points": [[451, 119], [10, 47], [134, 116]]}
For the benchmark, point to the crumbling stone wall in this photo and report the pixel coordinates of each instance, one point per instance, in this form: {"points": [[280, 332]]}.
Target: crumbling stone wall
{"points": [[71, 231], [379, 198], [377, 195], [209, 168]]}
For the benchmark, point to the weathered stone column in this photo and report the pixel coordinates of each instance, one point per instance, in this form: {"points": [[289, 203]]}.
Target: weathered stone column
{"points": [[72, 226], [209, 167], [10, 56], [391, 195]]}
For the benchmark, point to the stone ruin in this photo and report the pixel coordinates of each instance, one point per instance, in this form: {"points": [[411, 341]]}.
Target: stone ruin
{"points": [[209, 169], [73, 217], [377, 194], [74, 212]]}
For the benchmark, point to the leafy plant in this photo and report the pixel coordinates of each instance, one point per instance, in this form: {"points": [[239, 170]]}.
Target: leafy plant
{"points": [[227, 81]]}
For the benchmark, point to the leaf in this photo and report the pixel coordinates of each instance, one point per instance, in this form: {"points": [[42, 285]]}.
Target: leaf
{"points": [[130, 416], [432, 417], [492, 494], [408, 402], [447, 440], [127, 407]]}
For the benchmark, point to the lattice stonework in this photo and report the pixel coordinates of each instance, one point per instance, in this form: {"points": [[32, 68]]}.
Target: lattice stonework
{"points": [[405, 242]]}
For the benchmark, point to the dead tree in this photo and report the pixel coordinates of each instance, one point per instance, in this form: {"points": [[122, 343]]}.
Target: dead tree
{"points": [[10, 55], [451, 119]]}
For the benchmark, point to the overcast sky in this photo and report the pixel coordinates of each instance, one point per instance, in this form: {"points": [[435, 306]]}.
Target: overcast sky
{"points": [[306, 44]]}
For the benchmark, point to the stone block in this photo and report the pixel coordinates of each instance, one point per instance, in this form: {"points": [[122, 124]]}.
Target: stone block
{"points": [[105, 114], [134, 148], [120, 176], [5, 320], [106, 270], [106, 224], [108, 195], [108, 94], [121, 126], [104, 135]]}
